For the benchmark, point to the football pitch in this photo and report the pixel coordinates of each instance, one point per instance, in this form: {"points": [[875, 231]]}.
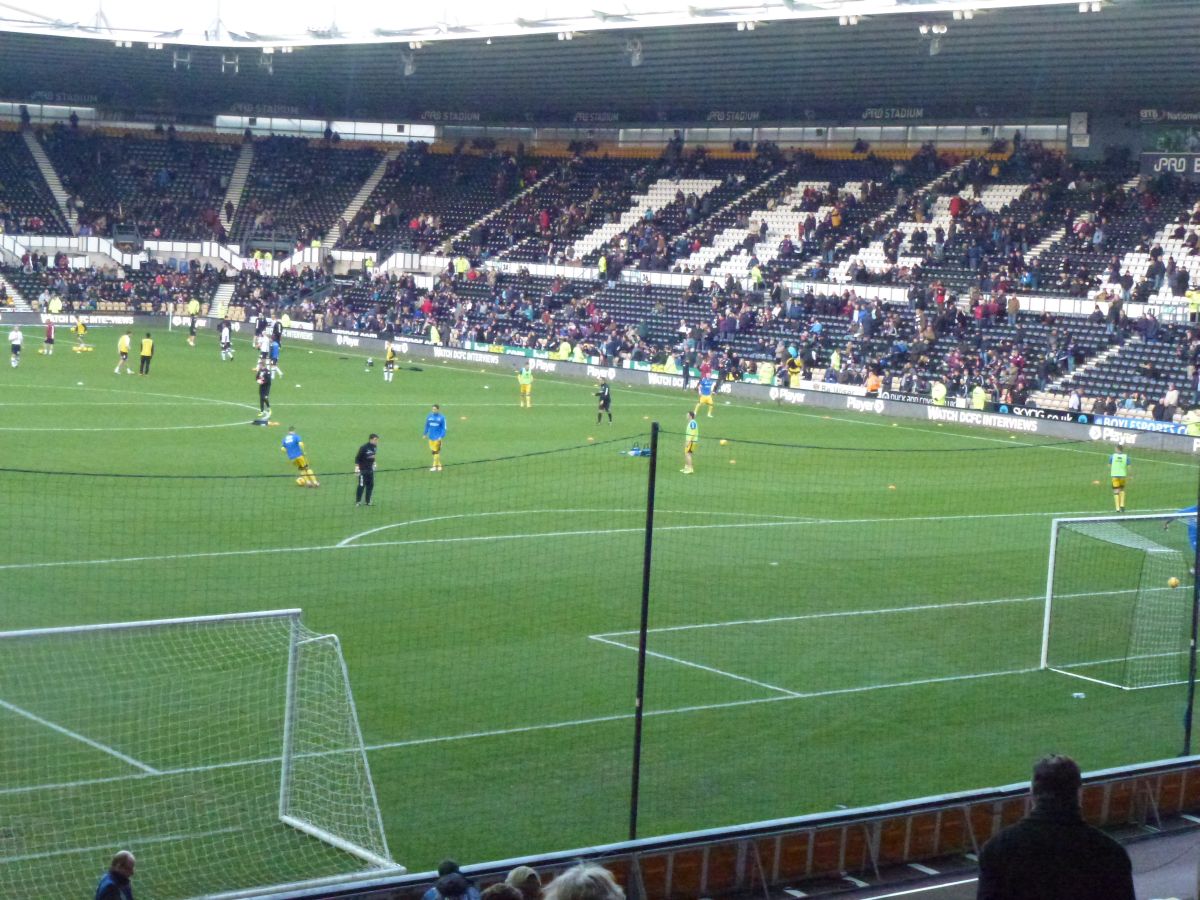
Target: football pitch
{"points": [[844, 610]]}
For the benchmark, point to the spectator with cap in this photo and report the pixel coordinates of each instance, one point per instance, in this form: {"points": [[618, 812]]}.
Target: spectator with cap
{"points": [[1053, 854], [451, 883]]}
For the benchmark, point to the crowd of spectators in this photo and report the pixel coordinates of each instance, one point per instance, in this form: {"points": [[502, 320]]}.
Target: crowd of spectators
{"points": [[44, 279]]}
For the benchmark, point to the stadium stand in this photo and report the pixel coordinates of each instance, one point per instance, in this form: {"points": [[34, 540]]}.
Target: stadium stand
{"points": [[425, 197], [162, 185], [296, 191], [26, 205], [112, 288]]}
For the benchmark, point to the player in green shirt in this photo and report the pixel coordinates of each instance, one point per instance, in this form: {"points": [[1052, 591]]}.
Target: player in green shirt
{"points": [[691, 439], [1118, 468], [525, 379]]}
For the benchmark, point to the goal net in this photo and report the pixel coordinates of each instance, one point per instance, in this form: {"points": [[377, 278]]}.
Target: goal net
{"points": [[224, 751], [1119, 599]]}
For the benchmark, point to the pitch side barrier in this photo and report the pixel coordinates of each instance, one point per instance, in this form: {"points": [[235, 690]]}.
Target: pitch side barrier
{"points": [[1017, 421], [884, 846]]}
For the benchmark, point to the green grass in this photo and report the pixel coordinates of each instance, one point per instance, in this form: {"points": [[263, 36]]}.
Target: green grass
{"points": [[868, 592]]}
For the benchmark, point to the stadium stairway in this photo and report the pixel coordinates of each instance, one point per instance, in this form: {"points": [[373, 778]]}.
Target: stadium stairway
{"points": [[220, 301], [19, 303], [364, 193], [1054, 396], [659, 195], [465, 232], [52, 180], [237, 183]]}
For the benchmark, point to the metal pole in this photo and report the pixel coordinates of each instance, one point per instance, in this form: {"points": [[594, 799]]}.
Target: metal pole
{"points": [[1191, 681], [639, 700]]}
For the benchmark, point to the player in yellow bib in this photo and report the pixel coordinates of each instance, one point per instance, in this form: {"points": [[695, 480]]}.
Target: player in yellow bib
{"points": [[389, 362], [1118, 468], [123, 343], [690, 440], [525, 380]]}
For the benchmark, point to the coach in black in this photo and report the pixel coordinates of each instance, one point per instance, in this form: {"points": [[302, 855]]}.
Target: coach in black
{"points": [[364, 467]]}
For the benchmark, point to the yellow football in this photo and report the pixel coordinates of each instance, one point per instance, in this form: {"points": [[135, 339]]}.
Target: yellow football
{"points": [[1173, 581]]}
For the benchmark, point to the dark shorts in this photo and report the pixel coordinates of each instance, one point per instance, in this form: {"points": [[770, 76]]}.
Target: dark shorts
{"points": [[16, 349]]}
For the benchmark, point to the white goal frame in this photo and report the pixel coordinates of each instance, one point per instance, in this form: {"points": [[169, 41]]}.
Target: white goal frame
{"points": [[382, 866], [1055, 525]]}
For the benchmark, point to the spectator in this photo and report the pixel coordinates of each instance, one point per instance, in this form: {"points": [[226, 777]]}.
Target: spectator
{"points": [[451, 883], [1052, 854], [527, 881], [501, 891], [115, 885], [585, 882]]}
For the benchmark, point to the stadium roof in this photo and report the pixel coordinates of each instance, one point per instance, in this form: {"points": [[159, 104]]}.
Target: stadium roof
{"points": [[957, 65], [311, 22]]}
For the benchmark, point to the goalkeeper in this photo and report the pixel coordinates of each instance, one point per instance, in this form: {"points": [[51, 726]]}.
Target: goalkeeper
{"points": [[293, 446], [1188, 515]]}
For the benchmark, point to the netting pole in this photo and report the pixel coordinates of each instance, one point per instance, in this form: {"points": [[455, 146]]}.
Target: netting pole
{"points": [[1191, 677], [289, 716], [639, 699]]}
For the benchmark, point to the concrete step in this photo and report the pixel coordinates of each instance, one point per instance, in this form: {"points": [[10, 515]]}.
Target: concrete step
{"points": [[364, 193], [51, 176]]}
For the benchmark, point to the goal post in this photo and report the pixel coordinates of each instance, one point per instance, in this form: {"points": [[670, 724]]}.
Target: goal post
{"points": [[1119, 596], [224, 751]]}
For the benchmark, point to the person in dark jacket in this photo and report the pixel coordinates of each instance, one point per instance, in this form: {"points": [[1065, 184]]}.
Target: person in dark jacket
{"points": [[1052, 854], [115, 885]]}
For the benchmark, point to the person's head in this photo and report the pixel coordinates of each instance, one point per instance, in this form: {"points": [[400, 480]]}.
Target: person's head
{"points": [[147, 334], [585, 881], [291, 429], [1056, 778], [526, 881], [436, 408], [502, 891], [122, 863], [1120, 448], [446, 866], [691, 414], [128, 332], [374, 439]]}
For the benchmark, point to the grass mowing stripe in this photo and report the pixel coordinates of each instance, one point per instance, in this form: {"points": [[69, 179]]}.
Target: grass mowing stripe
{"points": [[342, 545]]}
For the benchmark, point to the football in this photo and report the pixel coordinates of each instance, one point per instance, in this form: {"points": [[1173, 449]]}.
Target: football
{"points": [[1173, 581]]}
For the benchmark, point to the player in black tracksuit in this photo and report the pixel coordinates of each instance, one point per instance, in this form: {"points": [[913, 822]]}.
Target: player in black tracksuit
{"points": [[364, 467], [605, 406], [263, 376]]}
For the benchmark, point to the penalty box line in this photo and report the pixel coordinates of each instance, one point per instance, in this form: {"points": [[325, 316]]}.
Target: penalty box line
{"points": [[81, 738]]}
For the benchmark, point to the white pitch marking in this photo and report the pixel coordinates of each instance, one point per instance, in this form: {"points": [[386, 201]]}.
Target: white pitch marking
{"points": [[922, 890], [133, 842], [701, 666], [1088, 678], [346, 542], [75, 735], [836, 614]]}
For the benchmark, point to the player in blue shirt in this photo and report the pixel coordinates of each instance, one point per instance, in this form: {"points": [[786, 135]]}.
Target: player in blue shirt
{"points": [[705, 389], [435, 430], [293, 446]]}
